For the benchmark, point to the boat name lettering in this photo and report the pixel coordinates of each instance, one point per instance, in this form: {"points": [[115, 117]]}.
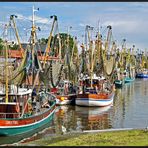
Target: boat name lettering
{"points": [[12, 122]]}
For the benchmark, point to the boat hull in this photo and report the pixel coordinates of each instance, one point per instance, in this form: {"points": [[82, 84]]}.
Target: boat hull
{"points": [[15, 126], [65, 99], [141, 75], [118, 83], [94, 99], [128, 80]]}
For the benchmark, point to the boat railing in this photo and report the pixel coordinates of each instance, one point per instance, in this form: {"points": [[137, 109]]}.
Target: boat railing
{"points": [[52, 96], [9, 115], [2, 100]]}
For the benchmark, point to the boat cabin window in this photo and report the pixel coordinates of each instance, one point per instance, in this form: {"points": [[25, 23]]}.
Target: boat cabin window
{"points": [[91, 90], [87, 82]]}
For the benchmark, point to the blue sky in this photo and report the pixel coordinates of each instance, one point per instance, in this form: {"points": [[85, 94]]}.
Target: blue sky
{"points": [[129, 20]]}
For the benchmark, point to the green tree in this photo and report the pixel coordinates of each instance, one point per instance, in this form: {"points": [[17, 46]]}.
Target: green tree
{"points": [[14, 47], [1, 46], [55, 44]]}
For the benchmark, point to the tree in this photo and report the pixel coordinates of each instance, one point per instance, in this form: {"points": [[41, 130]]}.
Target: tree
{"points": [[54, 45], [1, 46]]}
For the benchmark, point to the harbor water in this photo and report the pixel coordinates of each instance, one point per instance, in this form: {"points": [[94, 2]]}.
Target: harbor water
{"points": [[129, 110]]}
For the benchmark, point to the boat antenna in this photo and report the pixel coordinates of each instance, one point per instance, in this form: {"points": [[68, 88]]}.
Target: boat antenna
{"points": [[33, 24], [33, 35]]}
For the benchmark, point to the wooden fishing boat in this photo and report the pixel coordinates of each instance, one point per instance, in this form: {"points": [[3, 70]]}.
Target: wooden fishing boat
{"points": [[59, 74], [101, 94], [95, 90], [18, 117], [23, 109]]}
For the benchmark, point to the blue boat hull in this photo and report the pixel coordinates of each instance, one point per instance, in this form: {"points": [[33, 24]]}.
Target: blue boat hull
{"points": [[141, 75]]}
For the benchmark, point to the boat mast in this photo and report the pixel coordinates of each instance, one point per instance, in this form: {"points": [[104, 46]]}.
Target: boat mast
{"points": [[99, 43], [67, 53], [6, 65], [33, 29], [91, 53], [60, 46]]}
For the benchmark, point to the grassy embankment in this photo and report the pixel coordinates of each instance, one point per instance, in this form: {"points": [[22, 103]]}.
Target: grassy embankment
{"points": [[114, 138]]}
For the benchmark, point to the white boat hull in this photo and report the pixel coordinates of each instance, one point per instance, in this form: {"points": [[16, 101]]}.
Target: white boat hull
{"points": [[94, 102]]}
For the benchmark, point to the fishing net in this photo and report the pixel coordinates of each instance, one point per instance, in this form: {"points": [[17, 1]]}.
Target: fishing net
{"points": [[15, 76], [109, 65], [55, 72]]}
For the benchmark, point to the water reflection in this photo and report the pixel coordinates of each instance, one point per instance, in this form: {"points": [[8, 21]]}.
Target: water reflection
{"points": [[65, 120], [130, 106], [76, 118], [93, 118]]}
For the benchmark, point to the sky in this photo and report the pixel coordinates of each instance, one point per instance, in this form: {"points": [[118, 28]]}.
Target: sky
{"points": [[129, 20]]}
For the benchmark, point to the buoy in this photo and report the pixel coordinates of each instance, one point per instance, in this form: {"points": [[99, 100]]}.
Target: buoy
{"points": [[62, 98]]}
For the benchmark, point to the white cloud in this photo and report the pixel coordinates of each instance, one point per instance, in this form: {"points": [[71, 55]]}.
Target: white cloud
{"points": [[123, 26], [38, 19], [82, 25]]}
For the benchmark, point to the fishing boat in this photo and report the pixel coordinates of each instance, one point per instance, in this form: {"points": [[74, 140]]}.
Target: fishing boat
{"points": [[95, 90], [95, 96], [143, 74], [59, 72], [119, 79], [67, 87], [23, 109], [128, 80], [20, 110], [142, 65], [17, 115], [66, 93], [119, 83], [130, 66]]}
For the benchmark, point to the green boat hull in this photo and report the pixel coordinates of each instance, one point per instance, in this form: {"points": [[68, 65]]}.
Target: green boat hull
{"points": [[128, 80], [119, 83], [25, 129]]}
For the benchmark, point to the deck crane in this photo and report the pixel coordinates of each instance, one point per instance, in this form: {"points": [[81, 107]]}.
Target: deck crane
{"points": [[12, 18], [47, 50], [108, 40]]}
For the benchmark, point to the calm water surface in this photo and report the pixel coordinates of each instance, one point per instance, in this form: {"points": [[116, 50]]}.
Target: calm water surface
{"points": [[129, 110]]}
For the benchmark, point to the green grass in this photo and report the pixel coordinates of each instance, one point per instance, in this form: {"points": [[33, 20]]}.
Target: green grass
{"points": [[114, 138]]}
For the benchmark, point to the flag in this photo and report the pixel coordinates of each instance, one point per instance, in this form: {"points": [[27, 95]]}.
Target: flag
{"points": [[35, 9]]}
